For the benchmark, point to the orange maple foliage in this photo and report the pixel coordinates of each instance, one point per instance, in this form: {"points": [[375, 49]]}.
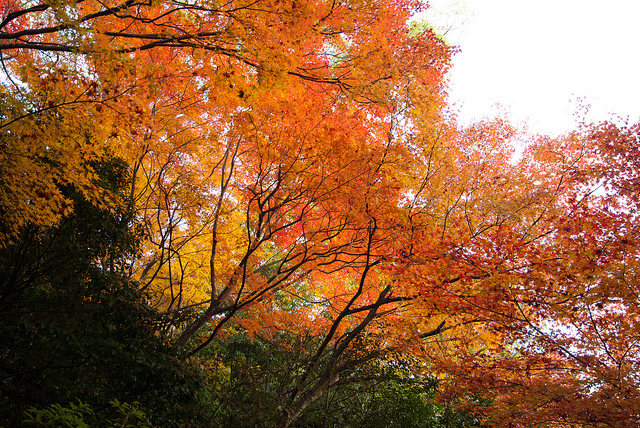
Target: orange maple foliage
{"points": [[296, 171], [555, 284]]}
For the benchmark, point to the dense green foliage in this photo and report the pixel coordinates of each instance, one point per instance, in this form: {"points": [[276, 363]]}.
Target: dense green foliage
{"points": [[253, 377], [73, 326]]}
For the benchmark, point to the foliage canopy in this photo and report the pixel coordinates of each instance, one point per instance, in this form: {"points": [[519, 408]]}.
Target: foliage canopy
{"points": [[270, 201]]}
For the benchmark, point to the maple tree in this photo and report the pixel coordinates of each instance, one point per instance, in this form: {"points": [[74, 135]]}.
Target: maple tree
{"points": [[299, 180], [552, 285]]}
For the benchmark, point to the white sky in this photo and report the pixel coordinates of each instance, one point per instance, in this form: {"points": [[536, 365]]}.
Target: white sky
{"points": [[535, 58]]}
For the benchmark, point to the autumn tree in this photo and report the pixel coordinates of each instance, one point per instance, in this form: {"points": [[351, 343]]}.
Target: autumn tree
{"points": [[551, 285], [261, 139], [295, 170]]}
